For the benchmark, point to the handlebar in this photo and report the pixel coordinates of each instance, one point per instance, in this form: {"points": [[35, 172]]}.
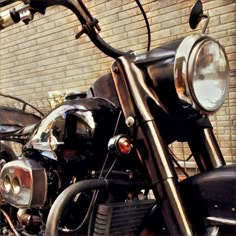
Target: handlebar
{"points": [[10, 17], [76, 6]]}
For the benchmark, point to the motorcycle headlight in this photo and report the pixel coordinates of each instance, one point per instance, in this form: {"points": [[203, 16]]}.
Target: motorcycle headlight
{"points": [[23, 183], [202, 73]]}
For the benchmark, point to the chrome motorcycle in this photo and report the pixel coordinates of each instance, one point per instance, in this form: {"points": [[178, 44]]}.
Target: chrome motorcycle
{"points": [[88, 166]]}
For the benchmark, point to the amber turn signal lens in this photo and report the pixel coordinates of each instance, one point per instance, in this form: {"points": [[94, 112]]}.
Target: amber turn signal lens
{"points": [[124, 145]]}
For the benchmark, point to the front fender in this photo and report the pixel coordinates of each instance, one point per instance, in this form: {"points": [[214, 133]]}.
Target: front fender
{"points": [[211, 196]]}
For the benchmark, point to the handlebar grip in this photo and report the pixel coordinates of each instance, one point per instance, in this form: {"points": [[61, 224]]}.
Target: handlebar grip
{"points": [[13, 16], [8, 18]]}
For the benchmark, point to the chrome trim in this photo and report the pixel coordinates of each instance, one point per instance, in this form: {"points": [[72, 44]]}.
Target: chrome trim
{"points": [[222, 220], [213, 231], [5, 20], [215, 155], [43, 138], [190, 72], [191, 63], [32, 179], [177, 206], [181, 66]]}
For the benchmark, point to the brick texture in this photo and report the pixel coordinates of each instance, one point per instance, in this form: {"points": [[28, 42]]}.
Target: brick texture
{"points": [[43, 57]]}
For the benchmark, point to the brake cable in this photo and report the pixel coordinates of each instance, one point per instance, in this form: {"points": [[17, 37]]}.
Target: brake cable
{"points": [[147, 24], [94, 23]]}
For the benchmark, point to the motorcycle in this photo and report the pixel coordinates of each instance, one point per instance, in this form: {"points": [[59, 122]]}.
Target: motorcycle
{"points": [[88, 166]]}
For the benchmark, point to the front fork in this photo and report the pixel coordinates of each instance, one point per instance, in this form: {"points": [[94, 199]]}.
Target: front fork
{"points": [[133, 93], [205, 148], [208, 156], [164, 181]]}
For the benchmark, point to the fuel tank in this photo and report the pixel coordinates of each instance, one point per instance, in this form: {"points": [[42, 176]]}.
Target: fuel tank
{"points": [[77, 130]]}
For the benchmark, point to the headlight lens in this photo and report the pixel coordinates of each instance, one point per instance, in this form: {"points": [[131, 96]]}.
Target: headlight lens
{"points": [[208, 75], [201, 73]]}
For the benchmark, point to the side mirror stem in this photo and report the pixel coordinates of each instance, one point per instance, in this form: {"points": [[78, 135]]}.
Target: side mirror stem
{"points": [[207, 17]]}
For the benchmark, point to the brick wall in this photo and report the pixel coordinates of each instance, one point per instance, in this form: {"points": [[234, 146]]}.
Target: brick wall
{"points": [[43, 57]]}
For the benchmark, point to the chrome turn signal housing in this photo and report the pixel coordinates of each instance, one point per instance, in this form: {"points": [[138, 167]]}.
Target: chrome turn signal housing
{"points": [[120, 144], [201, 73], [23, 183]]}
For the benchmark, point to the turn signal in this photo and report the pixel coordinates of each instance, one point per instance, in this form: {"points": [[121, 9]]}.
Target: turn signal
{"points": [[124, 145], [120, 144]]}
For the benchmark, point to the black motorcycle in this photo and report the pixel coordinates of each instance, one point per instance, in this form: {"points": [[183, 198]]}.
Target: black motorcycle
{"points": [[89, 165]]}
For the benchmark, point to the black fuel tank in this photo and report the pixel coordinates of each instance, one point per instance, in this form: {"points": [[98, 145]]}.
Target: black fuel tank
{"points": [[77, 130]]}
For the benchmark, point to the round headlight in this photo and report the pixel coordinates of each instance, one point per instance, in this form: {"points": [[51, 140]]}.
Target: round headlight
{"points": [[201, 73], [208, 75]]}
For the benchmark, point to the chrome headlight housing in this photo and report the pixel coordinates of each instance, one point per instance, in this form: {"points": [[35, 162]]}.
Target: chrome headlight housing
{"points": [[201, 73], [23, 183]]}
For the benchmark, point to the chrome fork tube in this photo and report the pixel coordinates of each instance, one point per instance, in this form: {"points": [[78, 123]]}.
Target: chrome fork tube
{"points": [[215, 155], [205, 149], [166, 187]]}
